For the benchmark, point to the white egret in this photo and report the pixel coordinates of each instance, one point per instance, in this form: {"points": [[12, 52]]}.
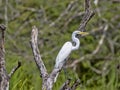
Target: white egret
{"points": [[67, 48]]}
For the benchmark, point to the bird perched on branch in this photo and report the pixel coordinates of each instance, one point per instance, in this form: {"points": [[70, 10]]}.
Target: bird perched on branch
{"points": [[67, 48]]}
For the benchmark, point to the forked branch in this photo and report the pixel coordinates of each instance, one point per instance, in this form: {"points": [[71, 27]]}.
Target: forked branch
{"points": [[50, 79]]}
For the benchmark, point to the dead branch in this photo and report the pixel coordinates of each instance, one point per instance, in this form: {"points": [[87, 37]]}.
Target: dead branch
{"points": [[4, 80], [36, 53], [14, 69], [48, 80], [2, 27], [75, 84], [101, 40], [87, 16], [66, 86], [6, 12]]}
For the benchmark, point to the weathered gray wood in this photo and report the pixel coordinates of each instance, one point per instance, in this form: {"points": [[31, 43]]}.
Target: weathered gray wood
{"points": [[47, 79], [4, 79], [87, 16]]}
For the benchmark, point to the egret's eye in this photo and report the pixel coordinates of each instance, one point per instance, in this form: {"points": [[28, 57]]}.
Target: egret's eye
{"points": [[77, 35]]}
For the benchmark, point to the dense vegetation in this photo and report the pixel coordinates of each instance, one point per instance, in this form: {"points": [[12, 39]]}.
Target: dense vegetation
{"points": [[56, 21]]}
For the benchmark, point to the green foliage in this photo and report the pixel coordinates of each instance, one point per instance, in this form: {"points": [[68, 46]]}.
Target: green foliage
{"points": [[22, 15]]}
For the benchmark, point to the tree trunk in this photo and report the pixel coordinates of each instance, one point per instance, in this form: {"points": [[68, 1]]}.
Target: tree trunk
{"points": [[4, 79]]}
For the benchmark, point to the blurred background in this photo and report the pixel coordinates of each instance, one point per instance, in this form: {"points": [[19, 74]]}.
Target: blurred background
{"points": [[96, 63]]}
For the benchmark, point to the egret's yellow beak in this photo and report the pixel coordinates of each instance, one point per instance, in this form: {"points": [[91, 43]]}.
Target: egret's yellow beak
{"points": [[83, 33]]}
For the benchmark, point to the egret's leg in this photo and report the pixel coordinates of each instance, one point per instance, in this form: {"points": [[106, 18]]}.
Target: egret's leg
{"points": [[66, 72]]}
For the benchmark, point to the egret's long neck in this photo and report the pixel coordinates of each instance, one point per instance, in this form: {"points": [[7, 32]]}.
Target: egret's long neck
{"points": [[76, 41]]}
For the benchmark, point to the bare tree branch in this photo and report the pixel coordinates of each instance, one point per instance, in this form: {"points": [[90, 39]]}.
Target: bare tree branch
{"points": [[6, 13], [48, 80], [4, 80], [87, 16], [36, 53], [14, 69], [2, 27], [66, 86], [75, 84]]}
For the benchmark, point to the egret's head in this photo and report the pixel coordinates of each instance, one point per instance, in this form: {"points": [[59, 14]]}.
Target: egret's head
{"points": [[80, 33]]}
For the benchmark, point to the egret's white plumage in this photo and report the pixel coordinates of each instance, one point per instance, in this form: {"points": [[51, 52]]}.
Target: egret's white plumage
{"points": [[63, 53], [67, 48]]}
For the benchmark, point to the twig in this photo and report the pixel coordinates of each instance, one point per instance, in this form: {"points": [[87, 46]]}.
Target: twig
{"points": [[65, 12], [75, 84], [6, 12], [116, 1], [104, 71], [2, 27], [96, 70], [101, 40], [14, 69], [65, 86], [77, 14]]}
